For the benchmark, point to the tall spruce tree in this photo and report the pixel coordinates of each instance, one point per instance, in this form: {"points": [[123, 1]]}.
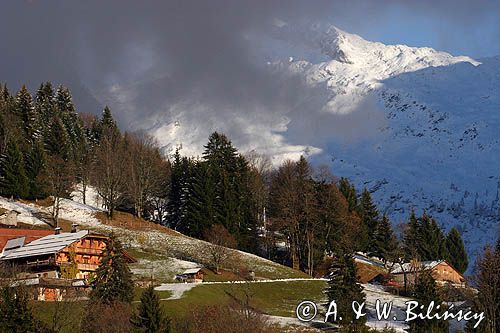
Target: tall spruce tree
{"points": [[35, 162], [13, 180], [426, 292], [431, 240], [71, 121], [230, 173], [411, 237], [349, 193], [30, 119], [384, 241], [370, 216], [113, 279], [457, 256], [151, 317], [57, 142], [201, 210], [344, 289], [107, 120], [179, 195], [44, 105]]}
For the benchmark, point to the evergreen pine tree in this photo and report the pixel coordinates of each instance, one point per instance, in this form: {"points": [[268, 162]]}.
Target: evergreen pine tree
{"points": [[26, 111], [411, 237], [113, 279], [107, 120], [151, 318], [431, 240], [35, 162], [344, 289], [457, 256], [230, 172], [71, 121], [57, 141], [384, 241], [201, 212], [180, 189], [349, 193], [44, 105], [370, 218], [426, 292], [15, 313], [13, 180]]}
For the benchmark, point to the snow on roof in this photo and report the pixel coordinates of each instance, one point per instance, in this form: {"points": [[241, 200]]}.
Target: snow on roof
{"points": [[424, 265], [12, 244], [46, 245], [191, 271], [362, 257]]}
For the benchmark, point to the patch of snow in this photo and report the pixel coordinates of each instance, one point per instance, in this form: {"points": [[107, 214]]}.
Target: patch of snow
{"points": [[26, 211]]}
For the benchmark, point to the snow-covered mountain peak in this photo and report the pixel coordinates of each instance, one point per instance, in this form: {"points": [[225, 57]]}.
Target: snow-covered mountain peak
{"points": [[348, 48]]}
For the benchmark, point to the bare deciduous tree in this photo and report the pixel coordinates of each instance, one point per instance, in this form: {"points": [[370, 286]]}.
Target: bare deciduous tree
{"points": [[221, 242], [108, 171], [58, 178], [145, 170]]}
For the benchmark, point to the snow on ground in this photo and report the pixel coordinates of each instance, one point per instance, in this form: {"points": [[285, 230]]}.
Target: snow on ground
{"points": [[79, 213], [92, 198], [27, 212], [374, 293], [161, 268], [177, 289]]}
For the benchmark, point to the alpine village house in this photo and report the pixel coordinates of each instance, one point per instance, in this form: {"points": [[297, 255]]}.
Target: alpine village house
{"points": [[57, 266]]}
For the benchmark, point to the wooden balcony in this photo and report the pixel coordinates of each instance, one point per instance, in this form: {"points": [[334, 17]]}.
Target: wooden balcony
{"points": [[87, 267], [86, 250]]}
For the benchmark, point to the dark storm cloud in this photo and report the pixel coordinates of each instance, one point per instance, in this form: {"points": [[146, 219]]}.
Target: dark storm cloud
{"points": [[144, 56], [193, 46]]}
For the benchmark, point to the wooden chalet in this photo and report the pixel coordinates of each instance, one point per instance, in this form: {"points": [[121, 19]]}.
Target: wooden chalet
{"points": [[57, 263], [190, 275], [441, 271]]}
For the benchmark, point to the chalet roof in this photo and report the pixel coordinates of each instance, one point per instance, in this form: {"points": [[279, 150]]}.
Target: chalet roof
{"points": [[46, 245], [191, 271], [31, 234], [424, 265]]}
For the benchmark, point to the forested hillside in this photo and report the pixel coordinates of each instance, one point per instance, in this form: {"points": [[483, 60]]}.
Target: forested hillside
{"points": [[294, 213]]}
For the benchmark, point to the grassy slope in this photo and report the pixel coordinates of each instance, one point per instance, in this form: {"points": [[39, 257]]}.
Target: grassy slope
{"points": [[274, 298], [278, 298], [155, 245]]}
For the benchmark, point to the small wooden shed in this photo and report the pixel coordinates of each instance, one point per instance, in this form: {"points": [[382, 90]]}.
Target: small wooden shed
{"points": [[191, 275]]}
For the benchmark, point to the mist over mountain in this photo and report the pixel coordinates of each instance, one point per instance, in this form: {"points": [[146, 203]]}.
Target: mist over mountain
{"points": [[417, 127]]}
